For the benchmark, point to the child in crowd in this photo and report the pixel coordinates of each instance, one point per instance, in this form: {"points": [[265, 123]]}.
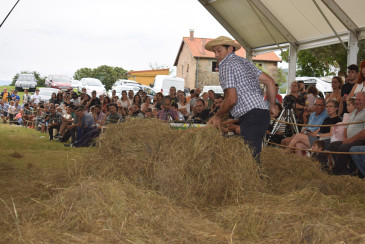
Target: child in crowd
{"points": [[11, 111], [318, 156]]}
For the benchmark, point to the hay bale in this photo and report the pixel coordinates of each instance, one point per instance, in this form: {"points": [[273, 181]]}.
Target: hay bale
{"points": [[100, 211], [196, 166]]}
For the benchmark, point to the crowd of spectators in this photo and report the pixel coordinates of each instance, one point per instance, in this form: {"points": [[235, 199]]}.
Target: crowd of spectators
{"points": [[346, 104], [81, 118]]}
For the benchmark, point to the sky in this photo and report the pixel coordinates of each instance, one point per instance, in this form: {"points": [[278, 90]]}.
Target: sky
{"points": [[61, 36]]}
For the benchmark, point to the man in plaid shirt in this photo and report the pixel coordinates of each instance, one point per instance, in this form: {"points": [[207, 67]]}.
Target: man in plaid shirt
{"points": [[54, 122], [243, 98]]}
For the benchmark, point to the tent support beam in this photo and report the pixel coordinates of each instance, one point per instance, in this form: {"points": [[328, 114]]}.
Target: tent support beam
{"points": [[352, 49], [293, 57], [226, 25]]}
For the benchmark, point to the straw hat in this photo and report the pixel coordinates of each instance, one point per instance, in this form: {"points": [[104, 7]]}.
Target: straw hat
{"points": [[220, 41]]}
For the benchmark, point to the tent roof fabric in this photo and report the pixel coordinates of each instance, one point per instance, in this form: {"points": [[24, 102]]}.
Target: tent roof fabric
{"points": [[262, 25]]}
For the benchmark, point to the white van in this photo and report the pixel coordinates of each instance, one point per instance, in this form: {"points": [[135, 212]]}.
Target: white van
{"points": [[324, 87], [216, 89], [163, 83]]}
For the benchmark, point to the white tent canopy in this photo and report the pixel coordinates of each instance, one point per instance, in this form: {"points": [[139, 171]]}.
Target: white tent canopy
{"points": [[267, 25]]}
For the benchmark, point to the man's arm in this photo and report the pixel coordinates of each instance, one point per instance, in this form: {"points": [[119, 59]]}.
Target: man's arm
{"points": [[270, 89], [358, 136], [230, 99]]}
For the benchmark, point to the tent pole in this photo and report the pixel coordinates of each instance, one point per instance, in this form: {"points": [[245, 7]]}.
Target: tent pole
{"points": [[293, 56], [352, 49]]}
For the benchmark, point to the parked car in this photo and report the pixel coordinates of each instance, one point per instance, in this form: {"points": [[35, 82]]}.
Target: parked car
{"points": [[46, 93], [122, 82], [321, 84], [92, 84], [26, 81], [163, 83], [61, 82], [75, 83], [120, 88]]}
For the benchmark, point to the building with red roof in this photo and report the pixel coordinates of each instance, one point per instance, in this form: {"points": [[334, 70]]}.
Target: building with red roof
{"points": [[199, 67]]}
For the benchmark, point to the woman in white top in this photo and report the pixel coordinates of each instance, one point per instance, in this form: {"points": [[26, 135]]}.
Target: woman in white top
{"points": [[183, 107], [124, 101], [359, 85]]}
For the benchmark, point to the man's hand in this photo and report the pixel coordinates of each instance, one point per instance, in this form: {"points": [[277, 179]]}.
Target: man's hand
{"points": [[347, 140], [215, 121]]}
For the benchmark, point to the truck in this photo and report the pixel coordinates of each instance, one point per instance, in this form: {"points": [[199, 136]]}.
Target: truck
{"points": [[162, 83]]}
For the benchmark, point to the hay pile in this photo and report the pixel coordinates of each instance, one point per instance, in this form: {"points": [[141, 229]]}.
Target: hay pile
{"points": [[150, 183]]}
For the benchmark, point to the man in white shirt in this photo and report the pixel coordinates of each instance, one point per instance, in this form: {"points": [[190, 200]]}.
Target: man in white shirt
{"points": [[36, 98]]}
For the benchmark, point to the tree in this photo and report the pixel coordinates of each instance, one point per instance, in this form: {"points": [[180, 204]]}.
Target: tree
{"points": [[40, 80], [158, 66], [106, 74], [281, 79], [321, 61]]}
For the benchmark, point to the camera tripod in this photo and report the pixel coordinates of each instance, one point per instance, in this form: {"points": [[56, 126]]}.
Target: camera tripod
{"points": [[286, 115]]}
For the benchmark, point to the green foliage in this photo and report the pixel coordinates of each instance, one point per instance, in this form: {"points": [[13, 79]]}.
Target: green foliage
{"points": [[320, 61], [281, 79], [106, 74], [40, 80]]}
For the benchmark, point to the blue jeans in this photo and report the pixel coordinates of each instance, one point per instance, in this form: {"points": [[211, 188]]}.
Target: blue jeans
{"points": [[253, 126], [359, 159]]}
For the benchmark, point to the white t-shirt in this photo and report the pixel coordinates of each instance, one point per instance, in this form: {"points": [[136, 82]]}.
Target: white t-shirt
{"points": [[187, 106], [123, 104], [36, 98]]}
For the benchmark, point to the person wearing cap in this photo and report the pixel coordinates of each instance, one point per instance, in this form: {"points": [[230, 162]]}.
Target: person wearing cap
{"points": [[241, 80]]}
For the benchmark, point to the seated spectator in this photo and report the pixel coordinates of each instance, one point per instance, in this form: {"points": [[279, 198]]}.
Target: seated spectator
{"points": [[167, 114], [299, 102], [27, 114], [26, 97], [106, 100], [53, 99], [15, 96], [360, 80], [75, 99], [359, 159], [194, 97], [322, 158], [205, 97], [124, 101], [99, 116], [67, 119], [137, 100], [280, 127], [354, 135], [36, 98], [113, 116], [147, 104], [55, 121], [135, 111], [201, 114], [158, 102], [316, 118], [180, 116], [338, 131], [94, 100], [309, 103], [183, 106], [130, 97], [323, 133], [149, 114]]}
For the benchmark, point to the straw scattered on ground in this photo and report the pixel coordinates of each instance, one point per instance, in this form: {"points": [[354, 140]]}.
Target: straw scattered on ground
{"points": [[150, 183]]}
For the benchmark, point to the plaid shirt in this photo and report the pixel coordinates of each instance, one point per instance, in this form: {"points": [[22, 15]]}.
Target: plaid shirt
{"points": [[237, 72], [55, 118]]}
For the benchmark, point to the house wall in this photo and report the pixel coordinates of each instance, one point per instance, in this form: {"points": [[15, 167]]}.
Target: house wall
{"points": [[186, 67]]}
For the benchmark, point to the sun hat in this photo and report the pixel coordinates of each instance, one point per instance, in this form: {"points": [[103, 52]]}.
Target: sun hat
{"points": [[220, 41]]}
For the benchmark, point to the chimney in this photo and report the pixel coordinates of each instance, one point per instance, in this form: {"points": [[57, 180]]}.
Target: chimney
{"points": [[191, 34], [203, 46]]}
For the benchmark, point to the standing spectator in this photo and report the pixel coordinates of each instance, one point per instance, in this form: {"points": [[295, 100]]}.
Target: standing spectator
{"points": [[131, 96], [302, 90], [352, 71], [337, 83], [299, 102], [172, 95], [36, 97], [26, 97], [11, 111], [53, 99], [59, 99], [124, 101], [359, 85], [5, 95]]}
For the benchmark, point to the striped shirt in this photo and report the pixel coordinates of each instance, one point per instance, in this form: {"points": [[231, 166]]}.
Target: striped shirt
{"points": [[237, 72]]}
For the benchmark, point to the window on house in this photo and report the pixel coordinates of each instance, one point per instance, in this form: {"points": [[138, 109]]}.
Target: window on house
{"points": [[182, 69], [187, 68], [215, 66], [260, 64], [275, 64]]}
